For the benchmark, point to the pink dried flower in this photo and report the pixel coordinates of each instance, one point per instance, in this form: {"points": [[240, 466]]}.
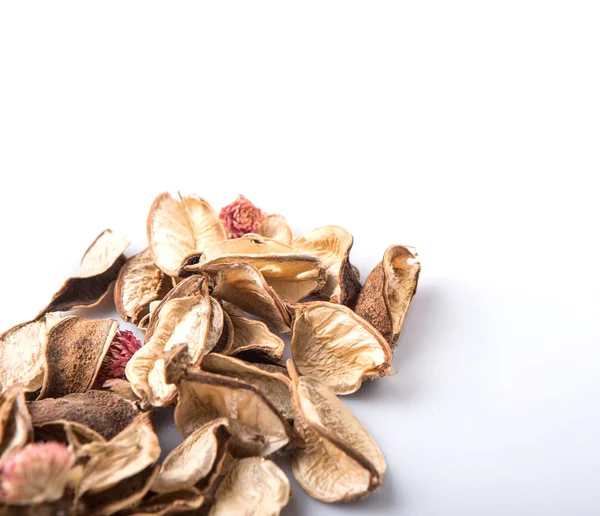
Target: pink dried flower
{"points": [[122, 348], [241, 217], [37, 473]]}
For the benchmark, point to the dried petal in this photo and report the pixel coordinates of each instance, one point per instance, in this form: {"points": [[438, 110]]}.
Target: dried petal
{"points": [[15, 422], [196, 461], [388, 291], [241, 217], [99, 267], [340, 460], [332, 244], [332, 343], [253, 486], [76, 348], [277, 228], [178, 231], [140, 282]]}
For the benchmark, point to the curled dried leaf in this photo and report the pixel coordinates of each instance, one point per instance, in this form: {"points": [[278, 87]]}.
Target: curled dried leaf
{"points": [[277, 228], [140, 282], [74, 353], [331, 245], [332, 343], [388, 291], [340, 460], [197, 461], [99, 267], [179, 231], [15, 422], [257, 428]]}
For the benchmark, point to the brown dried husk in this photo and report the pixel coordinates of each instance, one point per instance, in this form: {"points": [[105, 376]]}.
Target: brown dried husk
{"points": [[179, 231], [74, 354], [140, 282], [332, 343], [276, 227], [67, 432], [15, 422], [388, 291], [291, 273], [340, 461], [254, 486], [257, 428], [331, 245], [99, 267], [170, 503], [197, 461]]}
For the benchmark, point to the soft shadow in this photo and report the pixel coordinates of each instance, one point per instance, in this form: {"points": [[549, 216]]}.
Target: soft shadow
{"points": [[164, 427]]}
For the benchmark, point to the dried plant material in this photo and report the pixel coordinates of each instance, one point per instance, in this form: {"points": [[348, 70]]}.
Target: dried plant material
{"points": [[70, 433], [388, 291], [241, 217], [179, 231], [123, 346], [332, 244], [226, 339], [128, 453], [257, 428], [140, 282], [170, 503], [275, 386], [102, 411], [243, 286], [99, 267], [332, 343], [254, 486], [340, 460], [197, 461], [74, 354], [15, 422], [120, 387], [291, 273], [277, 228], [38, 473]]}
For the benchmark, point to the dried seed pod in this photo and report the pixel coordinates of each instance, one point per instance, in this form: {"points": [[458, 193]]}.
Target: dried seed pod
{"points": [[253, 486], [140, 282], [170, 503], [99, 267], [102, 411], [274, 385], [197, 461], [340, 460], [332, 343], [242, 285], [74, 354], [291, 273], [178, 231], [332, 244], [15, 422], [73, 434], [388, 291], [277, 228], [257, 428]]}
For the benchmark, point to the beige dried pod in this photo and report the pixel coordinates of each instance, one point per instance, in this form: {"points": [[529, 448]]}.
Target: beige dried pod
{"points": [[257, 428], [331, 245], [177, 502], [197, 461], [335, 345], [73, 434], [15, 422], [179, 231], [140, 282], [243, 286], [388, 291], [277, 228], [104, 412], [293, 274], [99, 267], [74, 354], [275, 386], [340, 461], [254, 486]]}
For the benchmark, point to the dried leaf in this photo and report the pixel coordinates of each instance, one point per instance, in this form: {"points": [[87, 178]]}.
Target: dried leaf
{"points": [[253, 486], [178, 231], [99, 267], [15, 422], [332, 343], [74, 354], [140, 282], [197, 461], [277, 228], [340, 460], [388, 291], [331, 245]]}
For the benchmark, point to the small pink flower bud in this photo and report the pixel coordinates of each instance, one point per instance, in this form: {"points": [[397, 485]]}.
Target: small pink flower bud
{"points": [[122, 348], [241, 217]]}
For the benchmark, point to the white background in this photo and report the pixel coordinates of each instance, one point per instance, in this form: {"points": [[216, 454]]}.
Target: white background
{"points": [[467, 129]]}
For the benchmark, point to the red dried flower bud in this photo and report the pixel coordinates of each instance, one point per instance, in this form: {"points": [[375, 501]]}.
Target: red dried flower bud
{"points": [[241, 217], [122, 348]]}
